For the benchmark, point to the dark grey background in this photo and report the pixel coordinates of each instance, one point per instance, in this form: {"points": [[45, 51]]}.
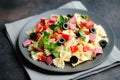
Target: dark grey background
{"points": [[10, 69]]}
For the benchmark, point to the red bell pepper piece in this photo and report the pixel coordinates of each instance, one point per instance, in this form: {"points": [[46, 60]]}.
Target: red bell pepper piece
{"points": [[83, 23], [54, 37], [74, 48], [89, 24], [87, 32], [66, 36], [46, 26], [39, 27], [59, 31], [42, 58], [85, 49]]}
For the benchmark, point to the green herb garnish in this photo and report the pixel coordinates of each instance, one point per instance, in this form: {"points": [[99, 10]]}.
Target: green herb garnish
{"points": [[84, 16], [46, 34], [38, 44], [56, 54], [59, 24], [82, 34], [51, 46]]}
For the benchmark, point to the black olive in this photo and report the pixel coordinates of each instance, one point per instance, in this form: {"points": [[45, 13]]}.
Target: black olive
{"points": [[92, 30], [65, 26], [73, 59], [61, 41], [33, 35], [69, 15], [103, 43], [77, 33]]}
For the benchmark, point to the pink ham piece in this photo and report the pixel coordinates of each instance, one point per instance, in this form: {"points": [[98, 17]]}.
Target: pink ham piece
{"points": [[97, 51], [72, 26], [83, 22], [52, 20], [49, 60], [42, 20], [73, 20], [27, 42], [92, 37], [37, 48]]}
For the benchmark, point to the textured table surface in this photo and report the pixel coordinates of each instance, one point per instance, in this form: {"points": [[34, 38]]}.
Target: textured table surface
{"points": [[10, 69]]}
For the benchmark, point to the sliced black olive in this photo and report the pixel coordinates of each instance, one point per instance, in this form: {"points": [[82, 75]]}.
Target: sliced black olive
{"points": [[65, 26], [33, 35], [77, 33], [69, 15], [73, 59], [92, 30], [103, 43], [61, 41]]}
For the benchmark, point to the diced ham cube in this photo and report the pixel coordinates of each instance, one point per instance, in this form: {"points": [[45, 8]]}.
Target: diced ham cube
{"points": [[27, 42], [42, 20], [52, 20], [72, 26], [73, 20], [97, 51], [92, 37], [84, 22], [49, 60], [37, 48]]}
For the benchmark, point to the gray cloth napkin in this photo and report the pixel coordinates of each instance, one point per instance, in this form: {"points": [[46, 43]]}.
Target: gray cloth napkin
{"points": [[14, 28]]}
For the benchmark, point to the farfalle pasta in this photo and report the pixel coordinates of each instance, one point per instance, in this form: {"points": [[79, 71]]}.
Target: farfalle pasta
{"points": [[62, 39]]}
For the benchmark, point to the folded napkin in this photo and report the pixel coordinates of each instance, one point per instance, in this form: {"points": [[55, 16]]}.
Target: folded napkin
{"points": [[14, 28]]}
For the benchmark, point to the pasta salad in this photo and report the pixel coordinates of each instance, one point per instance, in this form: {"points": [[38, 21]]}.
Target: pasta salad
{"points": [[60, 39]]}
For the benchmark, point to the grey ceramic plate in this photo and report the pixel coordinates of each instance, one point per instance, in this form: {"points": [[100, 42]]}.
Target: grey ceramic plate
{"points": [[68, 68]]}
